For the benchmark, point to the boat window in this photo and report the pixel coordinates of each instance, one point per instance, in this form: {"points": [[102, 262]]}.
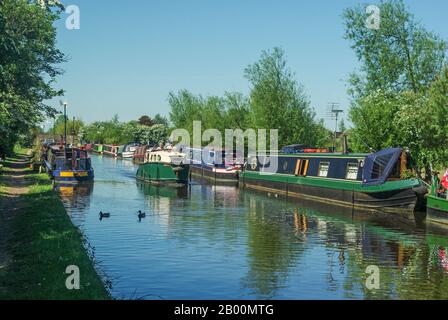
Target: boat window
{"points": [[285, 166], [379, 165], [302, 167], [159, 158], [298, 164], [254, 163], [323, 169], [304, 170], [352, 171]]}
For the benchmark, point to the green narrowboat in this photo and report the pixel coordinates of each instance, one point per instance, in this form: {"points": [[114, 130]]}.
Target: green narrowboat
{"points": [[437, 205], [164, 167], [112, 150], [97, 148], [360, 181]]}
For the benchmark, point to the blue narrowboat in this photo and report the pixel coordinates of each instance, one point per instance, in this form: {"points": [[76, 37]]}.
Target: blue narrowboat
{"points": [[218, 166], [375, 181], [73, 166]]}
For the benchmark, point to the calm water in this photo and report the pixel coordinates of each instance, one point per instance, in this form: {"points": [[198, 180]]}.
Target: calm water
{"points": [[216, 242]]}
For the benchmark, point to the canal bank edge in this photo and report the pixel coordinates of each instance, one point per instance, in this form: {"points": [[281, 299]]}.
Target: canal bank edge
{"points": [[39, 241]]}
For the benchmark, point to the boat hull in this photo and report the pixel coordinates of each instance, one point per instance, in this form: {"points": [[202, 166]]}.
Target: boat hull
{"points": [[112, 150], [395, 197], [97, 148], [220, 176], [437, 210], [110, 154], [163, 173], [73, 176], [127, 155]]}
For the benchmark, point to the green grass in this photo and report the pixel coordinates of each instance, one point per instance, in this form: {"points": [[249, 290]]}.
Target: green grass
{"points": [[19, 150], [44, 243], [2, 186]]}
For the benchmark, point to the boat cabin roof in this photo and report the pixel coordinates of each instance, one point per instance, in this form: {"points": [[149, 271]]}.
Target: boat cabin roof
{"points": [[317, 155]]}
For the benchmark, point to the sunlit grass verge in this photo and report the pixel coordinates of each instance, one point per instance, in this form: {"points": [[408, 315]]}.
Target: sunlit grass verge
{"points": [[19, 150], [44, 242]]}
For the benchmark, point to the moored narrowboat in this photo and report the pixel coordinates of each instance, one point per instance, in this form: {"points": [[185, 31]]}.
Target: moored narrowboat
{"points": [[97, 148], [111, 150], [217, 166], [128, 150], [72, 166], [88, 147], [437, 205], [164, 167], [361, 181], [139, 153]]}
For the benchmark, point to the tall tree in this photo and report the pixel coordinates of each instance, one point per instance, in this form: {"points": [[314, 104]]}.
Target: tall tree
{"points": [[146, 121], [399, 63], [159, 119], [237, 114], [277, 101], [28, 66], [400, 55]]}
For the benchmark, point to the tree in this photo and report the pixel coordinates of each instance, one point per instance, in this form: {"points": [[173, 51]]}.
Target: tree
{"points": [[400, 56], [185, 108], [372, 117], [28, 67], [237, 114], [278, 102], [146, 121], [159, 119], [75, 126], [399, 94], [423, 125], [116, 132], [342, 127]]}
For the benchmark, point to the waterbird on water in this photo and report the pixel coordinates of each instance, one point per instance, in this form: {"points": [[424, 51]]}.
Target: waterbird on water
{"points": [[104, 215], [141, 215]]}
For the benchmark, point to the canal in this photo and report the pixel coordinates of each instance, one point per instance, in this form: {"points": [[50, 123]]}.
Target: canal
{"points": [[218, 242]]}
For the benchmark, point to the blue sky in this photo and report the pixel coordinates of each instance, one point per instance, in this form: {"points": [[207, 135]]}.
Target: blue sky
{"points": [[128, 55]]}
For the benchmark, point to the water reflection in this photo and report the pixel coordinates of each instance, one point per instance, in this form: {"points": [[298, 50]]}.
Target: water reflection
{"points": [[219, 242], [76, 197]]}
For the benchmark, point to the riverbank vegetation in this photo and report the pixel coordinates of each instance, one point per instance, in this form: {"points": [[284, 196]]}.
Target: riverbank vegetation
{"points": [[42, 241], [28, 68], [400, 93], [145, 131], [276, 101]]}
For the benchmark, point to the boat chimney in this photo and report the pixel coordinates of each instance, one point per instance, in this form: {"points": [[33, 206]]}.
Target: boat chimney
{"points": [[345, 143]]}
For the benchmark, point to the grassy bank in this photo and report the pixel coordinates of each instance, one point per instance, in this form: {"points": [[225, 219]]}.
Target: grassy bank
{"points": [[42, 242]]}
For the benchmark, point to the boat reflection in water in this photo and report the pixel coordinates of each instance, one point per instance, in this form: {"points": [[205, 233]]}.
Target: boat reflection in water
{"points": [[220, 242], [75, 197]]}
